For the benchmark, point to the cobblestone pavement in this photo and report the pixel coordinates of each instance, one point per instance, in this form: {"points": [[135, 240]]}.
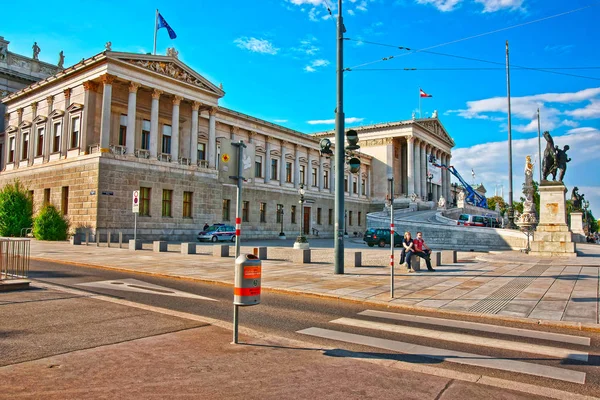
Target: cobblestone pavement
{"points": [[505, 284]]}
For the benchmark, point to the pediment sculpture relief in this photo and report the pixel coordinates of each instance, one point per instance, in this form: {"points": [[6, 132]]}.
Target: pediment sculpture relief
{"points": [[172, 70]]}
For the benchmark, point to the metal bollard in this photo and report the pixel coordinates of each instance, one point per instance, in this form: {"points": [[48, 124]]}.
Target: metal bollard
{"points": [[120, 239], [108, 238], [97, 238]]}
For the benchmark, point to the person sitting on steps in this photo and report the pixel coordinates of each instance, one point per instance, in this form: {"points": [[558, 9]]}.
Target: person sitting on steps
{"points": [[408, 251], [422, 250]]}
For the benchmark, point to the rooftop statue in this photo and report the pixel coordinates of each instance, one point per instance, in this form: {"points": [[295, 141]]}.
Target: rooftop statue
{"points": [[36, 51]]}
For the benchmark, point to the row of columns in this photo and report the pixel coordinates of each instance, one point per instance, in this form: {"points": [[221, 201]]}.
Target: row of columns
{"points": [[416, 161]]}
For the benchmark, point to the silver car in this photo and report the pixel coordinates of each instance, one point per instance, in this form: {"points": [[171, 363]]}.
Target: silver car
{"points": [[218, 233]]}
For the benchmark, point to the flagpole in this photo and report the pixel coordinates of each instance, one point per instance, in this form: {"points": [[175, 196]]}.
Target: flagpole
{"points": [[419, 103], [155, 30], [539, 146]]}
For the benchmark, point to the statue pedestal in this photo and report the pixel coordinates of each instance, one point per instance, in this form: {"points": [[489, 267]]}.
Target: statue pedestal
{"points": [[552, 236], [577, 227]]}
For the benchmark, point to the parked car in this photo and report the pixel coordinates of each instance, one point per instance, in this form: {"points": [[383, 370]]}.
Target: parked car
{"points": [[218, 233], [381, 237], [478, 220]]}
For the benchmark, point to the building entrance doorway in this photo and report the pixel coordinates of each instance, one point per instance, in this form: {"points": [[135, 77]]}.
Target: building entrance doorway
{"points": [[306, 222]]}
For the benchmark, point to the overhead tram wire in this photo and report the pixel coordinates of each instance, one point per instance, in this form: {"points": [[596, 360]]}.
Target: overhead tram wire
{"points": [[547, 70], [474, 36], [469, 69]]}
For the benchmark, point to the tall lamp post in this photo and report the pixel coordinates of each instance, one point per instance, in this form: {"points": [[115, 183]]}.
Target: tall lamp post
{"points": [[586, 204], [430, 194], [280, 211], [301, 242]]}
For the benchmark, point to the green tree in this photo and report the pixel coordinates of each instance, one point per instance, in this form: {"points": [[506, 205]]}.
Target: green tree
{"points": [[16, 209], [496, 199], [49, 224]]}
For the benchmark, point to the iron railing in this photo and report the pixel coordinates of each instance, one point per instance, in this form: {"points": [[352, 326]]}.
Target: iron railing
{"points": [[14, 258]]}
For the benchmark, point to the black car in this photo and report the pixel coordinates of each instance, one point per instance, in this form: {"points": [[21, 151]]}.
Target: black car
{"points": [[381, 237]]}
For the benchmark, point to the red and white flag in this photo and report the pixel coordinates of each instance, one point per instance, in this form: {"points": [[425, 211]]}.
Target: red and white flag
{"points": [[423, 94]]}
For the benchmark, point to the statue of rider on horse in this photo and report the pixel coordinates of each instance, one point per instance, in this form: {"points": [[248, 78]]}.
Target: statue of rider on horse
{"points": [[554, 159]]}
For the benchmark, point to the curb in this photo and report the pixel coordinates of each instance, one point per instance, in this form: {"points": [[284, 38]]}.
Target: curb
{"points": [[577, 326]]}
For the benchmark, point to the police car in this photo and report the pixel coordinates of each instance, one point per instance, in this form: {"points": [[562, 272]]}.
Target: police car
{"points": [[218, 233]]}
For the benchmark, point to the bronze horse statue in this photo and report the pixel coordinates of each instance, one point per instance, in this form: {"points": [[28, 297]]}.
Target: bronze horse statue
{"points": [[549, 165]]}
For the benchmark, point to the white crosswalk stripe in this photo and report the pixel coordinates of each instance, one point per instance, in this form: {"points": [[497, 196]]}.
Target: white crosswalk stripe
{"points": [[449, 338]]}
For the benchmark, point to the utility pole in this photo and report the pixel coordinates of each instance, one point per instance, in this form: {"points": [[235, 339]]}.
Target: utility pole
{"points": [[511, 224], [339, 148], [539, 146]]}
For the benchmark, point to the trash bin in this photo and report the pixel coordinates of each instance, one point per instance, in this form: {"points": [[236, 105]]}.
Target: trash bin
{"points": [[246, 291]]}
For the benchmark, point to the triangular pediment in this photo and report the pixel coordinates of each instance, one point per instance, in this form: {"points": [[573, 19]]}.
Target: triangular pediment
{"points": [[25, 124], [170, 67], [435, 127], [40, 119], [56, 114]]}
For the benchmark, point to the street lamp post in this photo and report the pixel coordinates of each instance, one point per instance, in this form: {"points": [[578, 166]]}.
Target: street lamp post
{"points": [[586, 204], [430, 194], [280, 211], [301, 242]]}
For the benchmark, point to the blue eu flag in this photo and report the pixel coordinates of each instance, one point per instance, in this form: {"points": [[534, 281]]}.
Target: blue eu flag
{"points": [[163, 24]]}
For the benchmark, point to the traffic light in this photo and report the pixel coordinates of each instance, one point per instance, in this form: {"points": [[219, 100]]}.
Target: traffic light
{"points": [[352, 138], [354, 164], [325, 147]]}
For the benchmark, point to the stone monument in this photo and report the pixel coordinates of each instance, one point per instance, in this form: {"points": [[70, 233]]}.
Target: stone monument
{"points": [[552, 236], [577, 216]]}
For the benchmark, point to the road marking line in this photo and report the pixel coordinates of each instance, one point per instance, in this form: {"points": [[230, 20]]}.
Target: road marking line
{"points": [[451, 356], [134, 285], [554, 352], [476, 326]]}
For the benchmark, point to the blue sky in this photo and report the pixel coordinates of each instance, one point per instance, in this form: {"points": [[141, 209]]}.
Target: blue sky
{"points": [[276, 60]]}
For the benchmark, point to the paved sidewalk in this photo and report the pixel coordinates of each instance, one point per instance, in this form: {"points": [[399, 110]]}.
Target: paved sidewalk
{"points": [[509, 285]]}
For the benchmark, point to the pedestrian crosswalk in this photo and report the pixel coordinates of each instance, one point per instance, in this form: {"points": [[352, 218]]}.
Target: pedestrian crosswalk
{"points": [[561, 347]]}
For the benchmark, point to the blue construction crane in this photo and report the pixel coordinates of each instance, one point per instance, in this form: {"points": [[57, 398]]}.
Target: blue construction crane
{"points": [[473, 197]]}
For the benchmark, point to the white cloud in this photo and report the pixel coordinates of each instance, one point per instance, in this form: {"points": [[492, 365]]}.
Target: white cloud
{"points": [[442, 5], [307, 46], [256, 45], [496, 5], [525, 108], [308, 2], [316, 64], [490, 163], [559, 48], [351, 120], [362, 6], [308, 68], [350, 12], [280, 121]]}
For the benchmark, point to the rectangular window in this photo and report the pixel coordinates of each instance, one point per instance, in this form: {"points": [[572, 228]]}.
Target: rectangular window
{"points": [[25, 147], [11, 150], [145, 145], [166, 139], [345, 184], [201, 151], [319, 216], [145, 201], [46, 196], [314, 177], [64, 203], [167, 197], [363, 187], [288, 172], [123, 130], [274, 169], [187, 204], [56, 132], [226, 204], [326, 179], [75, 127], [40, 142], [245, 211], [330, 216], [279, 213], [303, 174], [350, 218], [354, 186], [263, 212], [30, 194], [293, 215], [359, 218], [258, 171]]}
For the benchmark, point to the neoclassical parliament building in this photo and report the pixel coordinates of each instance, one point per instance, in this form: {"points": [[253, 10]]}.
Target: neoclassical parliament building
{"points": [[85, 137]]}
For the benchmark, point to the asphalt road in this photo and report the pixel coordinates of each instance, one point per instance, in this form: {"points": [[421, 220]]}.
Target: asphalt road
{"points": [[310, 319]]}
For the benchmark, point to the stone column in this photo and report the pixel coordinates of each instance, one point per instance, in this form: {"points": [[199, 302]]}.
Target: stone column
{"points": [[350, 179], [309, 167], [368, 182], [282, 165], [33, 135], [444, 178], [423, 171], [331, 176], [267, 160], [49, 131], [107, 81], [417, 167], [175, 129], [297, 167], [194, 134], [154, 123], [320, 174], [131, 117], [89, 114], [17, 156], [398, 178], [66, 126], [212, 138], [410, 173], [359, 182], [437, 188]]}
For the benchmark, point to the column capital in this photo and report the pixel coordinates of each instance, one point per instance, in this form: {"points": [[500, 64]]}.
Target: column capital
{"points": [[212, 111], [133, 87], [90, 85], [67, 93], [20, 112], [50, 100], [196, 105], [107, 79], [410, 139], [234, 129], [177, 100], [156, 93], [34, 106]]}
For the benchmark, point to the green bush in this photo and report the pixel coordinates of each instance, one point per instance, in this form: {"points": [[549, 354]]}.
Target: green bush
{"points": [[16, 209], [50, 225]]}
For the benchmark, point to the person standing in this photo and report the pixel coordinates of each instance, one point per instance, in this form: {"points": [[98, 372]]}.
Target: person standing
{"points": [[422, 250], [206, 226], [409, 249]]}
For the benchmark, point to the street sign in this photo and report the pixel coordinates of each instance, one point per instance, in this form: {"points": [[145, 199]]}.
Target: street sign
{"points": [[135, 205], [228, 161]]}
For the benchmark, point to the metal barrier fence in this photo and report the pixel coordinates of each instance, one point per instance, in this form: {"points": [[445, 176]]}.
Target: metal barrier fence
{"points": [[14, 258]]}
